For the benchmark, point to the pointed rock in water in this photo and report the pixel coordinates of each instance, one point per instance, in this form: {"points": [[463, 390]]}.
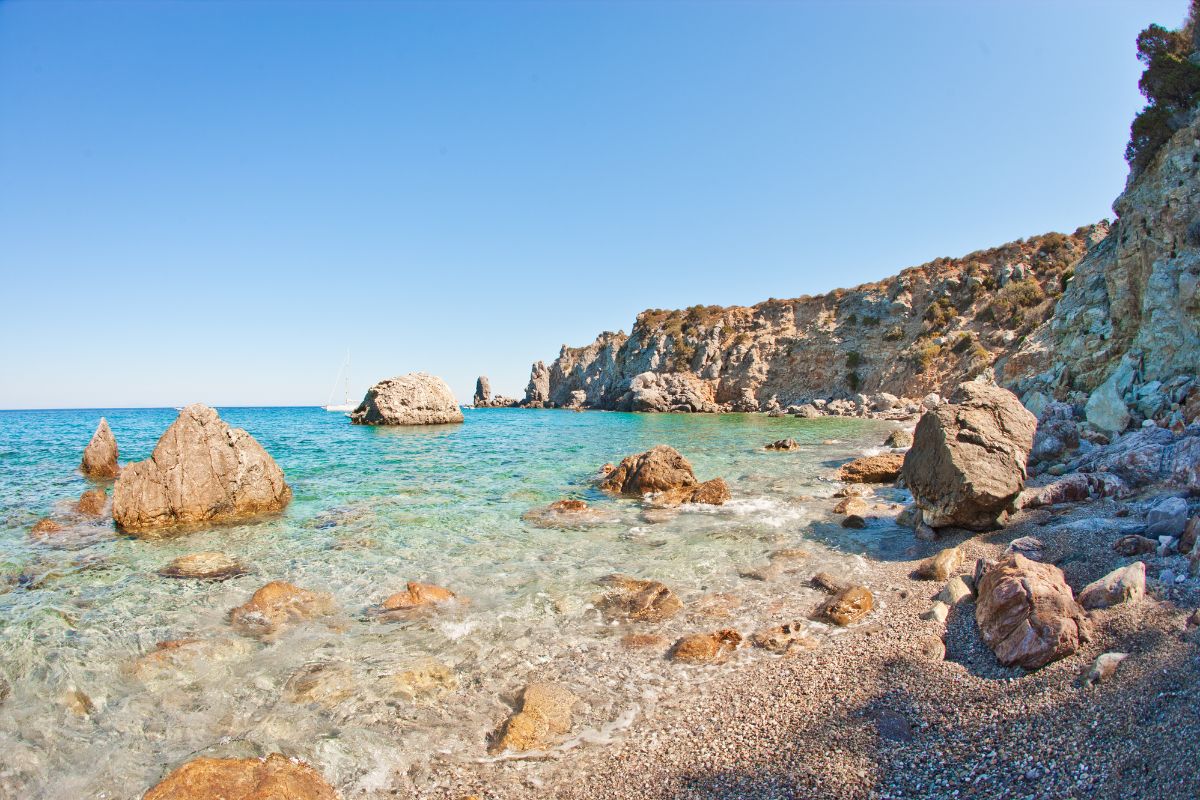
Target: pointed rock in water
{"points": [[275, 777], [417, 595], [967, 462], [1123, 585], [545, 713], [201, 471], [278, 604], [211, 566], [417, 398], [100, 456], [706, 647], [872, 469], [92, 502], [483, 392], [1027, 614]]}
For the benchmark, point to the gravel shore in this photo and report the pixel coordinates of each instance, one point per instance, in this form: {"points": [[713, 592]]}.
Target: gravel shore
{"points": [[872, 715]]}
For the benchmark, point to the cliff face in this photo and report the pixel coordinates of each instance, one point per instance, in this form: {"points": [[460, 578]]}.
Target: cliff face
{"points": [[1132, 312], [926, 329]]}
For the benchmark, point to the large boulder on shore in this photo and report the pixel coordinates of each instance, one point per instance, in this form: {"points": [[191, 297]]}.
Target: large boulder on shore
{"points": [[663, 471], [201, 471], [417, 398], [967, 462], [1027, 614], [275, 776], [100, 456]]}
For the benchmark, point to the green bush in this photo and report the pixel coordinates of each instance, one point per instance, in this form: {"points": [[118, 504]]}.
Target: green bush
{"points": [[853, 359], [1006, 306], [926, 355], [894, 334], [852, 380], [1171, 85]]}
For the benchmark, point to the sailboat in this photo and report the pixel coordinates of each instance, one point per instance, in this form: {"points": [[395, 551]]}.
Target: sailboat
{"points": [[344, 373]]}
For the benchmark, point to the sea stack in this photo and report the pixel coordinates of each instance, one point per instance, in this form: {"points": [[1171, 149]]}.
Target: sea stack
{"points": [[417, 398], [100, 456], [483, 392], [201, 471]]}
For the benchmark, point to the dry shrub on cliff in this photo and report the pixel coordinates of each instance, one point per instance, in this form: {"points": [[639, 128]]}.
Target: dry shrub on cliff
{"points": [[1008, 303]]}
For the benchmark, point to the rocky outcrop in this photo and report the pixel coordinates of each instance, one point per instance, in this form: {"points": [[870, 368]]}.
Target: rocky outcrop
{"points": [[545, 713], [100, 456], [926, 329], [967, 462], [883, 468], [417, 398], [637, 600], [1027, 614], [483, 396], [201, 471], [274, 777], [91, 503], [664, 472]]}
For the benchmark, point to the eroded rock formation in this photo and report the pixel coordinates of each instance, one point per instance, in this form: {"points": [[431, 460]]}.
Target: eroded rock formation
{"points": [[201, 471], [100, 456], [417, 398]]}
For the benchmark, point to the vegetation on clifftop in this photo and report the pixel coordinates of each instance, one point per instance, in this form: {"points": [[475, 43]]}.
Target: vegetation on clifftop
{"points": [[1171, 84]]}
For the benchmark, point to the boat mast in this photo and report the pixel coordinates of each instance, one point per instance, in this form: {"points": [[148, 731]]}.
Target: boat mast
{"points": [[347, 401]]}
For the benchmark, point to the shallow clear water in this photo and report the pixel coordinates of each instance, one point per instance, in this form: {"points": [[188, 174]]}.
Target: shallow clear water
{"points": [[373, 509]]}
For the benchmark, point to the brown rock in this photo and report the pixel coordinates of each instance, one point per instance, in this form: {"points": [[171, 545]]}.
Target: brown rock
{"points": [[1027, 614], [275, 777], [785, 638], [1103, 668], [638, 600], [1134, 545], [931, 647], [967, 462], [424, 682], [849, 606], [659, 469], [45, 525], [899, 439], [828, 583], [854, 521], [706, 647], [278, 604], [211, 566], [783, 444], [417, 398], [92, 502], [201, 471], [714, 493], [883, 468], [1122, 585], [566, 515], [1190, 534], [417, 595], [322, 684], [941, 566], [100, 456], [545, 712], [643, 641], [851, 505], [568, 505]]}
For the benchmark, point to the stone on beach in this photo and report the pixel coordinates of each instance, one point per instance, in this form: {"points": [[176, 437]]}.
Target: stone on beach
{"points": [[1103, 668], [706, 647], [276, 605], [1168, 517], [545, 712], [100, 455], [91, 502], [275, 777], [417, 398], [417, 595], [883, 468], [1123, 585], [1134, 545], [638, 600], [784, 638], [849, 606], [941, 566], [851, 505], [967, 462], [201, 471], [1027, 614], [209, 566]]}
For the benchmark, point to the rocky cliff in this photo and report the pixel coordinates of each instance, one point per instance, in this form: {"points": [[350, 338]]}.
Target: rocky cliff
{"points": [[926, 329]]}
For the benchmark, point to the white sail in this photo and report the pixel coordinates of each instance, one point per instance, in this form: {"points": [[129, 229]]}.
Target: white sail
{"points": [[343, 373]]}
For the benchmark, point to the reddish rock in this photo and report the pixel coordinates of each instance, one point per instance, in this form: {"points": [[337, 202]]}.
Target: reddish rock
{"points": [[883, 468], [637, 600], [275, 777], [276, 605], [100, 456], [417, 595], [45, 525], [1027, 614], [92, 502], [849, 606], [545, 713], [706, 647]]}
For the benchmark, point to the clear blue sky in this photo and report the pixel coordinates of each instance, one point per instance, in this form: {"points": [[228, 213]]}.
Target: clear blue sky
{"points": [[212, 201]]}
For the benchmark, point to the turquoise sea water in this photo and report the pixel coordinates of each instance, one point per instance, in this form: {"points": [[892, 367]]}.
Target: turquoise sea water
{"points": [[378, 705]]}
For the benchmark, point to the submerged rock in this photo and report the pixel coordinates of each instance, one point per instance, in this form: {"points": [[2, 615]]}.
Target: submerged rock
{"points": [[566, 515], [92, 502], [201, 471], [417, 595], [276, 605], [1123, 585], [45, 525], [638, 600], [425, 682], [883, 468], [1027, 614], [783, 444], [967, 462], [706, 647], [100, 456], [275, 777], [545, 712], [785, 638], [417, 398], [210, 566]]}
